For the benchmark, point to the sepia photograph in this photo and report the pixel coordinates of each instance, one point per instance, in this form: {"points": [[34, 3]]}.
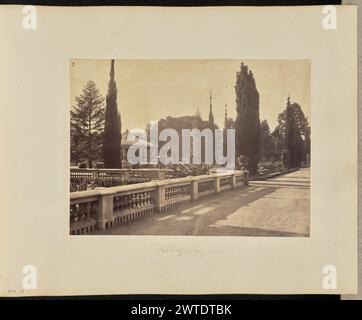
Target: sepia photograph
{"points": [[179, 151], [190, 147]]}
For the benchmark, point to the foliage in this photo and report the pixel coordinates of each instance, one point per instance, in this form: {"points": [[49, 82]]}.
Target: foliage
{"points": [[247, 123], [86, 125], [278, 142], [185, 170], [79, 184], [285, 158], [294, 128], [307, 143], [267, 150], [271, 165], [112, 129], [243, 161], [293, 133]]}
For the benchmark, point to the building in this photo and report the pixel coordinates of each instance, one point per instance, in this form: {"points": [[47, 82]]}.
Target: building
{"points": [[228, 124], [127, 143]]}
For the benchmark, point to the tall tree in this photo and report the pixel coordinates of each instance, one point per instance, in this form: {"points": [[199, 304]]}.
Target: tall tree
{"points": [[297, 138], [293, 133], [266, 141], [112, 128], [278, 141], [87, 121], [307, 142], [247, 123]]}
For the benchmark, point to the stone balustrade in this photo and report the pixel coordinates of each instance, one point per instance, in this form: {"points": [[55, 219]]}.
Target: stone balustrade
{"points": [[105, 208], [80, 178]]}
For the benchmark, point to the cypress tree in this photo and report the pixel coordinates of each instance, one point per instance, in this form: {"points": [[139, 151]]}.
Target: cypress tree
{"points": [[307, 143], [112, 128], [293, 133], [266, 141], [247, 123]]}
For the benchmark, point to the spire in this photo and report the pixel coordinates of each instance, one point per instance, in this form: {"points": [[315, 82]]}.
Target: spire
{"points": [[211, 116], [210, 101], [111, 72], [226, 116], [198, 114]]}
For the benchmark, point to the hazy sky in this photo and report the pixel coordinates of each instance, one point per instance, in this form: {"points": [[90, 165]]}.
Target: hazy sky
{"points": [[154, 89]]}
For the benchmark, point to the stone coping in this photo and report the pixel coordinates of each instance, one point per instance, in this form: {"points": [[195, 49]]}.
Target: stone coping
{"points": [[121, 170]]}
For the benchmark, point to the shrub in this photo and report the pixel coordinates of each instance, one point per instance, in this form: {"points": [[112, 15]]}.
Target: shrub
{"points": [[285, 157]]}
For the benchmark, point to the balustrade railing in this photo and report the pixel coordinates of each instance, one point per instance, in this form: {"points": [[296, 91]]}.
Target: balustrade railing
{"points": [[176, 195], [83, 179], [129, 206], [83, 214], [177, 192], [206, 187], [225, 183], [105, 208]]}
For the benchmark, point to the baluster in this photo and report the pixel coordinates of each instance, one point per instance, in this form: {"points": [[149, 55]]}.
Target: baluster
{"points": [[141, 199], [145, 199], [76, 213], [166, 193], [94, 210], [87, 210], [134, 201], [81, 211], [115, 204], [71, 211], [129, 201], [148, 198], [120, 203], [138, 199], [124, 203]]}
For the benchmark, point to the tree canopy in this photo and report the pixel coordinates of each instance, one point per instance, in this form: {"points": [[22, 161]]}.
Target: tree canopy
{"points": [[247, 123], [86, 125], [112, 128]]}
